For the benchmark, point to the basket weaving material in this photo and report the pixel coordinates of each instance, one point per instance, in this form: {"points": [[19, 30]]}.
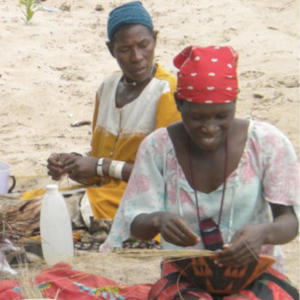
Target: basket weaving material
{"points": [[164, 254], [199, 268], [204, 273]]}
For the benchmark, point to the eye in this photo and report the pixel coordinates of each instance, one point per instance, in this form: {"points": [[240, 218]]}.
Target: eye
{"points": [[197, 117], [123, 50], [144, 44]]}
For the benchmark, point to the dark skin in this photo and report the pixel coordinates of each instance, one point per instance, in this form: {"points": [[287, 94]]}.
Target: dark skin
{"points": [[133, 47], [201, 136]]}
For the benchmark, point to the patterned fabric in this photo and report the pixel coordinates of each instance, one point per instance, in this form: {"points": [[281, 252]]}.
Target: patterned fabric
{"points": [[118, 132], [207, 75], [128, 13], [202, 272], [267, 173], [62, 282], [271, 285]]}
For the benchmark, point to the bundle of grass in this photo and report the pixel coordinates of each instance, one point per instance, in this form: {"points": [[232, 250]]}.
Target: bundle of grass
{"points": [[28, 287], [171, 255]]}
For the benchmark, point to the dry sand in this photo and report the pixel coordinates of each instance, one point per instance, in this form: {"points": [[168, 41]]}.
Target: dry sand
{"points": [[51, 68]]}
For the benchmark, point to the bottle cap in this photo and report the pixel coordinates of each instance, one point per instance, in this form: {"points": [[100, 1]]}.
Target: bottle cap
{"points": [[52, 187]]}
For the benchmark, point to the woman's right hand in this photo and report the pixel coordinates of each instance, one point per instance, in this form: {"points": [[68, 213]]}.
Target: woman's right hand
{"points": [[56, 164], [176, 231]]}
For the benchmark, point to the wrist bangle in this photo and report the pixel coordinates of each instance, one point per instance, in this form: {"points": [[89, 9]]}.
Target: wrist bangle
{"points": [[116, 168], [99, 167]]}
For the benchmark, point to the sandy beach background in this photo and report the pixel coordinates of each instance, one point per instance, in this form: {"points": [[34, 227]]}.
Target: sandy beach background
{"points": [[51, 68]]}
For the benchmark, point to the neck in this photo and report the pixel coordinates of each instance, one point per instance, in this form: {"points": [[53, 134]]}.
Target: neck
{"points": [[134, 84]]}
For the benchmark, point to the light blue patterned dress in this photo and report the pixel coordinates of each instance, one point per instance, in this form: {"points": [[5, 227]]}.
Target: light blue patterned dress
{"points": [[268, 171]]}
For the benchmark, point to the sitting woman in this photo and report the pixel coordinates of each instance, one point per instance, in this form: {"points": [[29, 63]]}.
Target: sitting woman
{"points": [[213, 181], [129, 105]]}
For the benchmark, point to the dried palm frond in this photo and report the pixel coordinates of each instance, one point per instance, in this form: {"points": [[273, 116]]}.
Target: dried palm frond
{"points": [[28, 287], [164, 254]]}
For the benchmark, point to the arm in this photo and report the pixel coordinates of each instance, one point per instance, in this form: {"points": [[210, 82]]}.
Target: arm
{"points": [[284, 228], [144, 194], [83, 169], [247, 242], [280, 188]]}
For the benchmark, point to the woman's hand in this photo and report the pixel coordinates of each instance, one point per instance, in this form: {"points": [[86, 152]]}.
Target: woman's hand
{"points": [[246, 243], [176, 231], [56, 165], [80, 167], [76, 166], [172, 228], [245, 246]]}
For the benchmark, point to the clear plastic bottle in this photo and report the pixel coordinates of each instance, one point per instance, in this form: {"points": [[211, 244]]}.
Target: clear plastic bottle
{"points": [[55, 227]]}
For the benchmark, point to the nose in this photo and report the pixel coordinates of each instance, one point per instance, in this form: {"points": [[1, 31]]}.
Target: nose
{"points": [[136, 55], [209, 127]]}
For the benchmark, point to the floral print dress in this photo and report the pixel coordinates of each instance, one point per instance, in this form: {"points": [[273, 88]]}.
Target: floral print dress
{"points": [[267, 173]]}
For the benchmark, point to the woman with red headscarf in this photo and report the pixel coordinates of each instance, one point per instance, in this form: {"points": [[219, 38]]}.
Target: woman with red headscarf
{"points": [[216, 182]]}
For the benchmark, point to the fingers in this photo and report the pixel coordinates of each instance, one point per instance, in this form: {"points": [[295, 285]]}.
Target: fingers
{"points": [[237, 254], [55, 172], [177, 232], [54, 159], [56, 165]]}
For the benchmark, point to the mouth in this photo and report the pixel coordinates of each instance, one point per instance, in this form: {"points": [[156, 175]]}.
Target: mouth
{"points": [[209, 141], [138, 72]]}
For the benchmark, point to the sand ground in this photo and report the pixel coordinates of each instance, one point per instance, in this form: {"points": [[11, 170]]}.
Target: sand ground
{"points": [[51, 68]]}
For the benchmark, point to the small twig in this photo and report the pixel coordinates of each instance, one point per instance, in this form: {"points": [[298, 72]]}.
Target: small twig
{"points": [[251, 250], [178, 282]]}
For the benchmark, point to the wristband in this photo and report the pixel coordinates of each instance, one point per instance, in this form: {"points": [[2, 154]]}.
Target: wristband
{"points": [[99, 168], [116, 168]]}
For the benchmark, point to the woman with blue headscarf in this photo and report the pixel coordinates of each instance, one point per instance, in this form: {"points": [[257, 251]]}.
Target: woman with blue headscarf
{"points": [[129, 105]]}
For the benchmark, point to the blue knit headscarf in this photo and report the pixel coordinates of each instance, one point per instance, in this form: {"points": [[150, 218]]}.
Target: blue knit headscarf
{"points": [[128, 13]]}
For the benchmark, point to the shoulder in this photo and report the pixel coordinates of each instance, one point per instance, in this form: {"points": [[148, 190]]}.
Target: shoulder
{"points": [[270, 139], [156, 140], [158, 135], [110, 80], [161, 73], [167, 78], [265, 131]]}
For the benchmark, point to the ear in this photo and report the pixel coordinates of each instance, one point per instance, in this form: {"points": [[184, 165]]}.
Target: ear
{"points": [[110, 47], [155, 34]]}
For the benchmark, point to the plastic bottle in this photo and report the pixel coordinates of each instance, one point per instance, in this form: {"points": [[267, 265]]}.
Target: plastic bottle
{"points": [[55, 227]]}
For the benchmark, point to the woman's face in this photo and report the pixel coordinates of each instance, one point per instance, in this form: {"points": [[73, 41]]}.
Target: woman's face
{"points": [[133, 47], [207, 124]]}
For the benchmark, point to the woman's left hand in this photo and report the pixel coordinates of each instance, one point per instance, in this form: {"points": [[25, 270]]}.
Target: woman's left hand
{"points": [[245, 246], [81, 167]]}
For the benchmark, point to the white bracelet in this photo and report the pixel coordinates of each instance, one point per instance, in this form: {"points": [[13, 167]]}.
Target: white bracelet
{"points": [[116, 168], [99, 168]]}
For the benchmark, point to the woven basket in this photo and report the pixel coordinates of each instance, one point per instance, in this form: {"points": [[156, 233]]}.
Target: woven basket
{"points": [[204, 273]]}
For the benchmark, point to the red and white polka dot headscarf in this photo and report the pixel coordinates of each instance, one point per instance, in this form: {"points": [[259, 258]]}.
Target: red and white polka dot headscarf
{"points": [[207, 75]]}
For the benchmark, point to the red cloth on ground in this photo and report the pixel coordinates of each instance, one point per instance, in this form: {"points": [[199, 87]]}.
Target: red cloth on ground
{"points": [[61, 282], [10, 290]]}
